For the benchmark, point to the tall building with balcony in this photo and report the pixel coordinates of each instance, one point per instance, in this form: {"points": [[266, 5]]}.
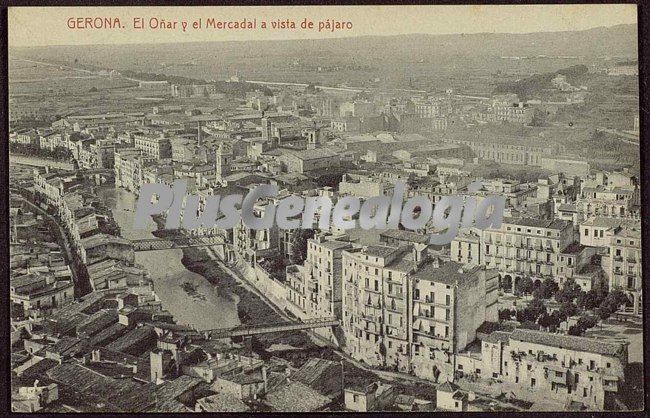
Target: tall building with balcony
{"points": [[154, 146], [526, 247], [413, 314], [625, 265], [450, 302], [315, 289], [376, 300]]}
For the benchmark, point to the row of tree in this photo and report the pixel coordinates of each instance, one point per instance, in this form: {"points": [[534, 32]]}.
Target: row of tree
{"points": [[597, 303], [58, 154]]}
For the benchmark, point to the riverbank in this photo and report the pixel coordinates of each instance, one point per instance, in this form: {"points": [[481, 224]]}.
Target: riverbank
{"points": [[253, 309]]}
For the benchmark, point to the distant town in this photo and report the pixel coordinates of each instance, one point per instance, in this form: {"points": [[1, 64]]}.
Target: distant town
{"points": [[542, 314]]}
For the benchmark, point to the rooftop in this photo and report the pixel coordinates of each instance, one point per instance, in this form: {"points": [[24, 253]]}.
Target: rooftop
{"points": [[448, 272], [222, 402], [405, 236], [537, 223], [570, 342]]}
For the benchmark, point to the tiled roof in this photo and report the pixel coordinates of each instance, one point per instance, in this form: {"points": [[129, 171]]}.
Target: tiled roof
{"points": [[222, 402], [405, 236], [569, 342], [296, 397], [537, 223]]}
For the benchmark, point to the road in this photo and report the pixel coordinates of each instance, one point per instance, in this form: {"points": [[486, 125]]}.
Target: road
{"points": [[66, 244]]}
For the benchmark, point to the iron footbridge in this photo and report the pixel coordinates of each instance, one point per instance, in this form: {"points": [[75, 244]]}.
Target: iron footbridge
{"points": [[176, 241], [247, 331]]}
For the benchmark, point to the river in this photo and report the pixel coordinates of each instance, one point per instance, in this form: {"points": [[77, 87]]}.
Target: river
{"points": [[168, 273]]}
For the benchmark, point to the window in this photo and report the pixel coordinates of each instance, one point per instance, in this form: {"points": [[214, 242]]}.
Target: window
{"points": [[586, 232], [356, 398], [558, 374], [532, 382], [456, 403], [447, 300], [460, 367], [609, 365]]}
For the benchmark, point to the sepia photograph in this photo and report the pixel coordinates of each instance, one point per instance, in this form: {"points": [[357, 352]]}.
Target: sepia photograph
{"points": [[325, 209]]}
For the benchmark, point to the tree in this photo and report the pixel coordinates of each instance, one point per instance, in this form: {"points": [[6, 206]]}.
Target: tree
{"points": [[614, 300], [529, 325], [537, 307], [575, 330], [506, 314], [546, 290], [570, 291], [590, 299], [568, 309], [586, 322], [603, 312], [267, 91], [545, 321], [524, 286], [299, 245]]}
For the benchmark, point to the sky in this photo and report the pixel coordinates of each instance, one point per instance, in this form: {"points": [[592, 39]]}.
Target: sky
{"points": [[37, 26]]}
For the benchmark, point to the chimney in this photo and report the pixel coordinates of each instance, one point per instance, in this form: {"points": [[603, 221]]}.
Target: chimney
{"points": [[199, 135], [264, 377]]}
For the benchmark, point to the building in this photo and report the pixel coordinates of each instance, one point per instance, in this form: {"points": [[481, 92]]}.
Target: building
{"points": [[155, 146], [449, 397], [373, 397], [624, 261], [36, 291], [562, 367], [513, 112], [526, 247], [316, 289], [411, 314], [311, 160]]}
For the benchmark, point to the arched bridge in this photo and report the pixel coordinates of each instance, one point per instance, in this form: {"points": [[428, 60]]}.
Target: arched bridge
{"points": [[246, 331]]}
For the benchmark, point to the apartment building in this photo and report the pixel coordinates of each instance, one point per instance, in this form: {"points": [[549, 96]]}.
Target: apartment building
{"points": [[625, 265], [376, 300], [413, 314], [566, 368], [156, 146], [525, 247], [129, 167], [315, 289], [513, 112], [615, 202], [450, 302]]}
